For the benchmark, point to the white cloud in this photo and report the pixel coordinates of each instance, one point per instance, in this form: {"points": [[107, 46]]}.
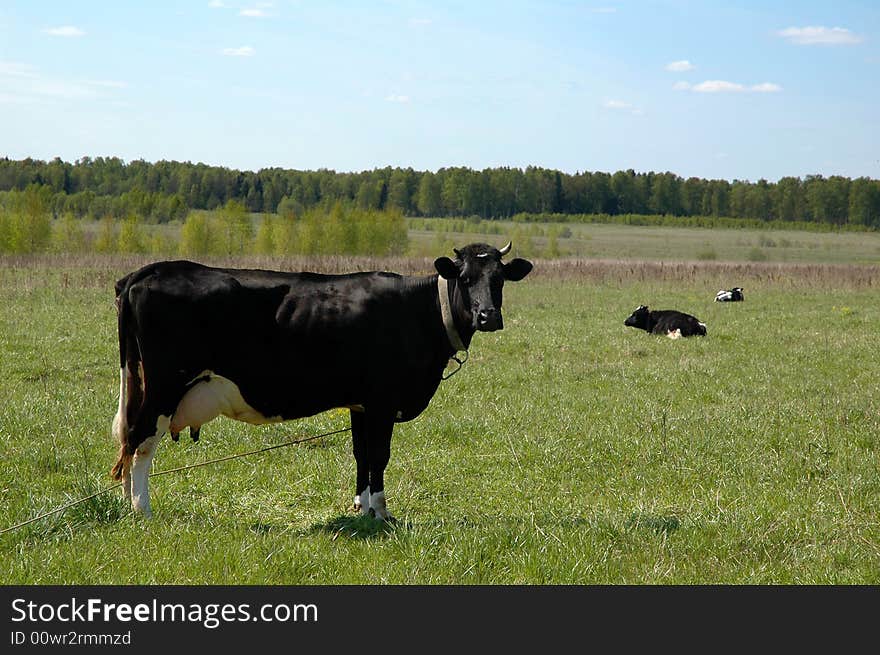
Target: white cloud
{"points": [[765, 87], [616, 104], [216, 4], [397, 98], [723, 86], [65, 30], [62, 89], [718, 86], [243, 51], [819, 36], [680, 66], [620, 105], [21, 83], [258, 10]]}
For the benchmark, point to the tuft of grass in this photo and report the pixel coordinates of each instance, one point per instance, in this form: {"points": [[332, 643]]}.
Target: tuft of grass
{"points": [[100, 505]]}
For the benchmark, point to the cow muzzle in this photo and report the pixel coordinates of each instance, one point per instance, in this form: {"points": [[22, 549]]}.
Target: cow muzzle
{"points": [[489, 320]]}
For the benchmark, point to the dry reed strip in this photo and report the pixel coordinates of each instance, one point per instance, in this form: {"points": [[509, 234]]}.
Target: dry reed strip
{"points": [[723, 274], [102, 271]]}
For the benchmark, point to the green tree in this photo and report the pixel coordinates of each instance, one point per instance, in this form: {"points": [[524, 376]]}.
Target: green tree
{"points": [[788, 199], [29, 234], [399, 190], [864, 202], [265, 243], [195, 235], [289, 207], [160, 243], [236, 230], [68, 234], [106, 240], [5, 230], [285, 234], [392, 226], [311, 233], [342, 229], [131, 236], [428, 201], [759, 201], [30, 226], [369, 195], [523, 243]]}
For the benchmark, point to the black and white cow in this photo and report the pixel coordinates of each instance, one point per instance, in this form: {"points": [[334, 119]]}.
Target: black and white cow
{"points": [[672, 323], [730, 295], [264, 346]]}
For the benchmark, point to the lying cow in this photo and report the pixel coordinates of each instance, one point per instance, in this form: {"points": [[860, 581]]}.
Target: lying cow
{"points": [[264, 346], [729, 295], [672, 323]]}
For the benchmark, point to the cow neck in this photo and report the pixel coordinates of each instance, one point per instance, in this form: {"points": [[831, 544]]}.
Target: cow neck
{"points": [[446, 311]]}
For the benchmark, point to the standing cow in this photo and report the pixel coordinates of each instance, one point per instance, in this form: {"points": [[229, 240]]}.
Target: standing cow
{"points": [[264, 346], [672, 323]]}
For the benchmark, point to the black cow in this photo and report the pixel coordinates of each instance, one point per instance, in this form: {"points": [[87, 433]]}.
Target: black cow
{"points": [[262, 346], [730, 295], [672, 323]]}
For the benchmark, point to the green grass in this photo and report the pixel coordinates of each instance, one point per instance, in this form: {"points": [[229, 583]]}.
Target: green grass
{"points": [[569, 449], [633, 242]]}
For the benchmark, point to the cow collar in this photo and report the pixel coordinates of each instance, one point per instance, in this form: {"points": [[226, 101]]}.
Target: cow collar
{"points": [[446, 312]]}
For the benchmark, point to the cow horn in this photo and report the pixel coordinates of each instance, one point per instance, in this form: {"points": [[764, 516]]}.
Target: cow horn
{"points": [[506, 249]]}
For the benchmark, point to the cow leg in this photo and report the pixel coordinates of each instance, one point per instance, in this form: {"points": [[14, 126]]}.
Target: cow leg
{"points": [[371, 441], [360, 447], [141, 460], [153, 421], [379, 428]]}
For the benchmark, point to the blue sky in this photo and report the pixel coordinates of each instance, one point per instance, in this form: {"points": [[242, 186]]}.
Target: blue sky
{"points": [[731, 90]]}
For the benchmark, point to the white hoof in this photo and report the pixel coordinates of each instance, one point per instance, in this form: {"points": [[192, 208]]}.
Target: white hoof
{"points": [[378, 508], [142, 509], [362, 502]]}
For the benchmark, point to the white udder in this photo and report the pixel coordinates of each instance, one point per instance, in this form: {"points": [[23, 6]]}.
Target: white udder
{"points": [[212, 396]]}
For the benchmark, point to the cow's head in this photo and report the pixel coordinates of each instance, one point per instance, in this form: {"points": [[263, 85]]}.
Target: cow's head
{"points": [[640, 318], [480, 274]]}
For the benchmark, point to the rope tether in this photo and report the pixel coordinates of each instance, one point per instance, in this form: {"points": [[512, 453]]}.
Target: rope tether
{"points": [[175, 470]]}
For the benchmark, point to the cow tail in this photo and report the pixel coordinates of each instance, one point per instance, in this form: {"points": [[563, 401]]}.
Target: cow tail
{"points": [[131, 385]]}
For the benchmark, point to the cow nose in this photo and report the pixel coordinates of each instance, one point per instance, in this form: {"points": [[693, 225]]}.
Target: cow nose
{"points": [[489, 319]]}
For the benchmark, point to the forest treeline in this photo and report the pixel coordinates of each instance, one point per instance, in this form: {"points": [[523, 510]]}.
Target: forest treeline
{"points": [[167, 190]]}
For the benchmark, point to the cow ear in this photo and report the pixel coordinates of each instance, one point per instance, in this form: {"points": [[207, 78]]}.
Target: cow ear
{"points": [[516, 269], [446, 267]]}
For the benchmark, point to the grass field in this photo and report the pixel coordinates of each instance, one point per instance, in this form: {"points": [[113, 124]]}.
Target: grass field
{"points": [[657, 243], [569, 449], [430, 236]]}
